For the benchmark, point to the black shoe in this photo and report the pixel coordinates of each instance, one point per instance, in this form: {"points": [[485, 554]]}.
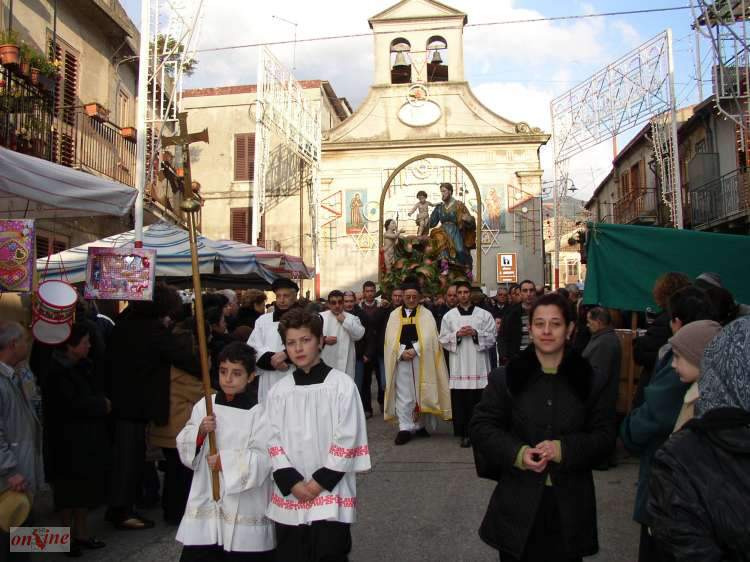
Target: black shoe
{"points": [[465, 442], [92, 543], [422, 432], [402, 437]]}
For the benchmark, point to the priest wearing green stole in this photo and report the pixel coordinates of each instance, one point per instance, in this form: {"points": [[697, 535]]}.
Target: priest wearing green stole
{"points": [[416, 375]]}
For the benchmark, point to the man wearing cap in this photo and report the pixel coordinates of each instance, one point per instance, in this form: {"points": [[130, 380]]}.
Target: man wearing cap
{"points": [[415, 371], [273, 364], [20, 433]]}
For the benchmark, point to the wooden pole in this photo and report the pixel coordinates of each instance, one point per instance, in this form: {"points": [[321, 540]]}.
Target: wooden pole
{"points": [[202, 343]]}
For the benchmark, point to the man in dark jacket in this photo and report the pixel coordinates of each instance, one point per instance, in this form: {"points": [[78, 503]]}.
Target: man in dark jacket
{"points": [[604, 353], [701, 477], [515, 327], [141, 352], [645, 429], [369, 314]]}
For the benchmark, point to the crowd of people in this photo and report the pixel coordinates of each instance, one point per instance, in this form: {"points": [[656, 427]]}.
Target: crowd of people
{"points": [[265, 469]]}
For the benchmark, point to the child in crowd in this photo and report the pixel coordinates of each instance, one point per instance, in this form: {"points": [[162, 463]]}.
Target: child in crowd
{"points": [[687, 346], [423, 216], [235, 527], [318, 442]]}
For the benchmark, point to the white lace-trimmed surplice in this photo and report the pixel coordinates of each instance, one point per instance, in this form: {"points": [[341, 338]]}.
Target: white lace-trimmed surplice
{"points": [[265, 338], [341, 355], [315, 426], [469, 361], [238, 520]]}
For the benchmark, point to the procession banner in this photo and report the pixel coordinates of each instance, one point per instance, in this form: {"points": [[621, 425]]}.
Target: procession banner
{"points": [[16, 255], [126, 274]]}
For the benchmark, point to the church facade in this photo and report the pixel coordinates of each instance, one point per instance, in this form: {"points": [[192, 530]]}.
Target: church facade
{"points": [[419, 126]]}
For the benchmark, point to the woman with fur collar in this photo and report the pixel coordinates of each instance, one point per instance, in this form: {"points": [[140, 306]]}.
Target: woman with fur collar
{"points": [[541, 427]]}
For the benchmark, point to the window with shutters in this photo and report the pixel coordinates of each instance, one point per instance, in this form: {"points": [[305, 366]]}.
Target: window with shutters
{"points": [[240, 223], [635, 178], [47, 244], [66, 100], [123, 109], [625, 184], [244, 156]]}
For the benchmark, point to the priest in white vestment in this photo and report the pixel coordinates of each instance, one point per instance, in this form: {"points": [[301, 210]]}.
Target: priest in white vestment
{"points": [[340, 330], [416, 375], [468, 335], [273, 363]]}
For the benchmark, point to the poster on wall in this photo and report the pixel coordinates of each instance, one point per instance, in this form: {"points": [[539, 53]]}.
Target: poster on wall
{"points": [[493, 208], [16, 255], [356, 200], [125, 274], [507, 268]]}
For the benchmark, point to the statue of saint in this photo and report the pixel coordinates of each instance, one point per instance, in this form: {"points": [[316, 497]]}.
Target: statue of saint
{"points": [[457, 233]]}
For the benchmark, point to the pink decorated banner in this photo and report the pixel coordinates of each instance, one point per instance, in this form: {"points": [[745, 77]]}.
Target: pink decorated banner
{"points": [[16, 255], [125, 274]]}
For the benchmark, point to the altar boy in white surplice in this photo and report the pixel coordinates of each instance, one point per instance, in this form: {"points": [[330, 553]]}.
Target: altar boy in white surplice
{"points": [[340, 331], [318, 443], [235, 527], [468, 334]]}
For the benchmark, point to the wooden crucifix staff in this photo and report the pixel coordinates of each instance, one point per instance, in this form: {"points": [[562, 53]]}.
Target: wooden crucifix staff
{"points": [[191, 206]]}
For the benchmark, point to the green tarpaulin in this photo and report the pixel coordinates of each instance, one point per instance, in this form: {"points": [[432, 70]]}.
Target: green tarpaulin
{"points": [[624, 261]]}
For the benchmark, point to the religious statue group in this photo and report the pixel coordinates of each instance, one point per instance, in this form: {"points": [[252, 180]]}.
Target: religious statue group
{"points": [[440, 252]]}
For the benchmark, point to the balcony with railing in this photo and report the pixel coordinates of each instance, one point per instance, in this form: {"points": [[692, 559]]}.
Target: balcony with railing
{"points": [[69, 136], [721, 200], [639, 207]]}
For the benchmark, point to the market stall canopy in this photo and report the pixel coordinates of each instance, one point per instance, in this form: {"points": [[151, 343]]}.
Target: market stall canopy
{"points": [[624, 261], [223, 264], [233, 260], [171, 243], [34, 188]]}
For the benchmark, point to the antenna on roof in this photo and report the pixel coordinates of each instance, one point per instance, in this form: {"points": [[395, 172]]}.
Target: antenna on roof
{"points": [[294, 45]]}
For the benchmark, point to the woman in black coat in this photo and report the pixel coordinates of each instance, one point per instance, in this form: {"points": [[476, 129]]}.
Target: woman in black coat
{"points": [[76, 439], [539, 430]]}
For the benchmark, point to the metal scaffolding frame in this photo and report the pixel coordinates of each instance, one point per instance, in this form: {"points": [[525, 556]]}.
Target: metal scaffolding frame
{"points": [[286, 119], [626, 93], [724, 24]]}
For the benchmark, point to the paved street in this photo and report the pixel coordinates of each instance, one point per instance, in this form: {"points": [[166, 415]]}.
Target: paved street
{"points": [[420, 502]]}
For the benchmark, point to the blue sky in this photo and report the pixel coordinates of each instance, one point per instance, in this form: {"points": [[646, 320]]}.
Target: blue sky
{"points": [[514, 69]]}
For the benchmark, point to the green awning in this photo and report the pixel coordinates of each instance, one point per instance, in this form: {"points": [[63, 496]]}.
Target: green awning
{"points": [[624, 262]]}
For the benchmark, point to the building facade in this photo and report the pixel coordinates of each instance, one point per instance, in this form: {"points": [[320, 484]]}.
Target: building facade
{"points": [[421, 125]]}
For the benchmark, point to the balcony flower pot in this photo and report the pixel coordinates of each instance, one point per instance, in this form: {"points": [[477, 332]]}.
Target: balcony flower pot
{"points": [[128, 133], [96, 111], [9, 54], [34, 74], [25, 69], [46, 83]]}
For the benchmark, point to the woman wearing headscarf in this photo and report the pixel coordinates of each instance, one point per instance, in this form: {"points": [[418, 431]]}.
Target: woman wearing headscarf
{"points": [[700, 479], [541, 427]]}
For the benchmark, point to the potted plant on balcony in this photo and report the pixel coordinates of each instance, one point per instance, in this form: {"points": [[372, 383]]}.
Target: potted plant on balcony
{"points": [[24, 64], [47, 75], [9, 50], [96, 111], [129, 133]]}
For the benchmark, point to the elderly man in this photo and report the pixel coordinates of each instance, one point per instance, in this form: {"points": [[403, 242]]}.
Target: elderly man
{"points": [[20, 431], [416, 375], [604, 353]]}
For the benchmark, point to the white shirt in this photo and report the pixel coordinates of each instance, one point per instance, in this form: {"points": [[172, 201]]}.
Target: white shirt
{"points": [[265, 338], [341, 355], [469, 359]]}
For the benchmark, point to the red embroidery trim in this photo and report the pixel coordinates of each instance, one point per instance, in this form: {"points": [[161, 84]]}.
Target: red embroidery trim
{"points": [[276, 451], [345, 453], [295, 505], [468, 377]]}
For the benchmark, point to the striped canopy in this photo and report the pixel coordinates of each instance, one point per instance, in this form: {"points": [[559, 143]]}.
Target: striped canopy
{"points": [[234, 261]]}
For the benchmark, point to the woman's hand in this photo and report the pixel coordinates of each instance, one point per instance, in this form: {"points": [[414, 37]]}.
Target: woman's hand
{"points": [[550, 450], [208, 424], [533, 459]]}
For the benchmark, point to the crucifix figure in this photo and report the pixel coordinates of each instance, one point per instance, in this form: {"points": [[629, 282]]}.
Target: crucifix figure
{"points": [[191, 206], [185, 139]]}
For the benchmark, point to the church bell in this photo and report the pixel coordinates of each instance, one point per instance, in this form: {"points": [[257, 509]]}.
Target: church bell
{"points": [[436, 58], [401, 59]]}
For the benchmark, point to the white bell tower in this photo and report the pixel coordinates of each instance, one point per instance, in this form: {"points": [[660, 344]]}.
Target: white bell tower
{"points": [[418, 41]]}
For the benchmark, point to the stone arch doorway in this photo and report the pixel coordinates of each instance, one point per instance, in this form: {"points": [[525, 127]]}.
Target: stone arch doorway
{"points": [[426, 172]]}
